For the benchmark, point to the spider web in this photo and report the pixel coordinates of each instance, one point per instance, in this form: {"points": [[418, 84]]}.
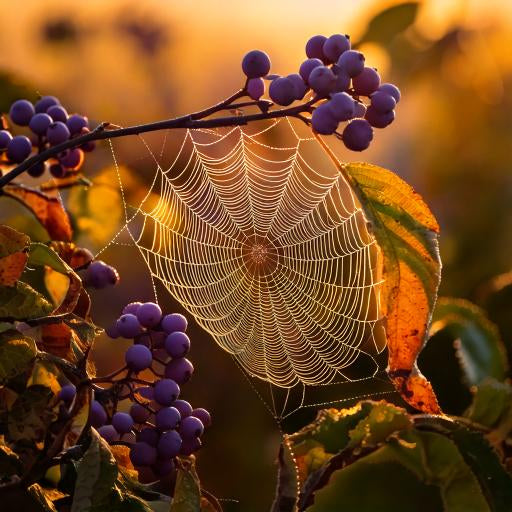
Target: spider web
{"points": [[257, 235]]}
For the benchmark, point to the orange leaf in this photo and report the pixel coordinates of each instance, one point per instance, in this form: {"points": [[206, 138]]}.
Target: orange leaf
{"points": [[13, 255], [49, 211], [407, 234], [11, 268]]}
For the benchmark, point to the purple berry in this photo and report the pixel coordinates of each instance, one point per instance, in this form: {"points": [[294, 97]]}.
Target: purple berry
{"points": [[282, 91], [112, 332], [21, 112], [341, 106], [163, 467], [359, 109], [174, 322], [167, 418], [5, 138], [335, 46], [67, 393], [97, 414], [40, 123], [307, 67], [357, 135], [109, 433], [351, 62], [142, 454], [256, 64], [149, 435], [169, 444], [19, 148], [57, 133], [45, 103], [149, 314], [57, 113], [322, 80], [379, 119], [342, 81], [177, 344], [37, 170], [71, 158], [184, 408], [165, 391], [392, 90], [256, 88], [190, 446], [191, 427], [99, 275], [128, 326], [203, 415], [139, 413], [382, 102], [299, 85], [122, 422], [75, 123], [323, 121], [138, 358], [366, 82], [131, 308], [314, 47], [57, 171], [180, 370]]}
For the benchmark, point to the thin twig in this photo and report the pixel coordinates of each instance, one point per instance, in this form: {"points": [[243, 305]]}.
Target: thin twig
{"points": [[191, 121]]}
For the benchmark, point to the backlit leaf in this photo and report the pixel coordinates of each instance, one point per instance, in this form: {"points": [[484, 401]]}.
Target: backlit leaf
{"points": [[16, 354], [98, 210], [187, 492], [13, 255], [407, 234], [389, 22], [22, 302], [31, 414], [480, 350], [420, 471], [96, 476], [49, 211]]}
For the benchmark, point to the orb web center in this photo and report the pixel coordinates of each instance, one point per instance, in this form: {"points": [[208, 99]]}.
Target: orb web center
{"points": [[260, 256]]}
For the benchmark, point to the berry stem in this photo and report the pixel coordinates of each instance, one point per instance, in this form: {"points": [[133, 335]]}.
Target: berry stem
{"points": [[191, 121]]}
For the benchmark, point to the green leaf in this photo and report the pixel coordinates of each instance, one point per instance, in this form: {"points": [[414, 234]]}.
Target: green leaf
{"points": [[479, 348], [330, 429], [187, 493], [407, 234], [16, 354], [40, 254], [496, 483], [420, 471], [96, 476], [492, 402], [31, 414], [384, 27], [22, 302], [383, 420], [12, 241]]}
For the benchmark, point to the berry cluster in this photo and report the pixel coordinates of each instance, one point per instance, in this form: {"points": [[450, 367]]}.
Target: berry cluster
{"points": [[100, 275], [49, 124], [159, 426], [339, 80]]}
